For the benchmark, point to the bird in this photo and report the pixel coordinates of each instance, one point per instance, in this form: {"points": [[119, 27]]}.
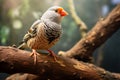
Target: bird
{"points": [[44, 32]]}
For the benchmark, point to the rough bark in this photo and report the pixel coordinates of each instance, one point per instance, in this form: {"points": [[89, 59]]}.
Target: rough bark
{"points": [[22, 76], [13, 60], [104, 29]]}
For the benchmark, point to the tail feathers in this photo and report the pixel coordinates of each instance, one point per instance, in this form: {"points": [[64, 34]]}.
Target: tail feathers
{"points": [[22, 46]]}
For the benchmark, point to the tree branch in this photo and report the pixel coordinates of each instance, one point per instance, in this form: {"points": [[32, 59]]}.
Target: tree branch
{"points": [[104, 29], [23, 76], [13, 60]]}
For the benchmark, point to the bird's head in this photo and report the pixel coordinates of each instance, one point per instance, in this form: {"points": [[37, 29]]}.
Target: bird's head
{"points": [[54, 14]]}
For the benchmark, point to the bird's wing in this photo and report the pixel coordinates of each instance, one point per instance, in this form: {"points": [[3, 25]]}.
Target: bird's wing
{"points": [[30, 34], [32, 31]]}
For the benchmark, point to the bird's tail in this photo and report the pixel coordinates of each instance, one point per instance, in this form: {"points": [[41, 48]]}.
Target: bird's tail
{"points": [[22, 46]]}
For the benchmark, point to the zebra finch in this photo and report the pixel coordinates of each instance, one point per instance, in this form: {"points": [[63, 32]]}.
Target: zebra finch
{"points": [[45, 32]]}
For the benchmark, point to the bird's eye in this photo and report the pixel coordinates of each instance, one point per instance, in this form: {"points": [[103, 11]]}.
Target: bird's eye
{"points": [[56, 10]]}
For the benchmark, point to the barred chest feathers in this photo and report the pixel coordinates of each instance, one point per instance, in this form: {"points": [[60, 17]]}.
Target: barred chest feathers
{"points": [[52, 31], [47, 35]]}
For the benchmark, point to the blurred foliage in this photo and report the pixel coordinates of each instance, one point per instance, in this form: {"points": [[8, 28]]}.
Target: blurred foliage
{"points": [[4, 36], [16, 16]]}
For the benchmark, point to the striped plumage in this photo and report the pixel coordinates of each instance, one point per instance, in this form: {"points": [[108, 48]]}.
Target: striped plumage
{"points": [[44, 33], [46, 36]]}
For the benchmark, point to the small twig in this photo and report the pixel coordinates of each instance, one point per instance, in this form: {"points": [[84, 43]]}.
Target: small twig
{"points": [[78, 21]]}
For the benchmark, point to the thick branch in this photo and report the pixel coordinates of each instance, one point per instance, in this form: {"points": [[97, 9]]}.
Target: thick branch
{"points": [[104, 29], [13, 60], [23, 76]]}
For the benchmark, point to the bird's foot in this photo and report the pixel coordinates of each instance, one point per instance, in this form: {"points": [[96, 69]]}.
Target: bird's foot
{"points": [[51, 53], [34, 54]]}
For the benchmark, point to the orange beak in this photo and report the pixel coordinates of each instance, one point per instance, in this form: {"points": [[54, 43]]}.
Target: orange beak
{"points": [[62, 12]]}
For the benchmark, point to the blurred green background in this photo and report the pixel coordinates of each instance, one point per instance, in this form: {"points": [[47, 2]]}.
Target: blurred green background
{"points": [[16, 16]]}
